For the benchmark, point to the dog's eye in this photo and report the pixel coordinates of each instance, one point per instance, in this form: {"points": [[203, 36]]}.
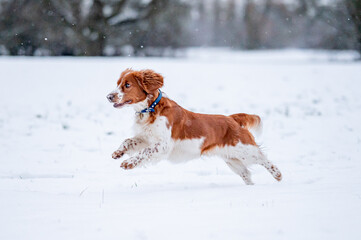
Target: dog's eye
{"points": [[127, 85]]}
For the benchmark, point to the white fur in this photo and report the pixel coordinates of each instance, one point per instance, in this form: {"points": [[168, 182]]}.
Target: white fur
{"points": [[119, 93], [184, 150], [155, 132], [156, 137], [247, 154], [140, 105]]}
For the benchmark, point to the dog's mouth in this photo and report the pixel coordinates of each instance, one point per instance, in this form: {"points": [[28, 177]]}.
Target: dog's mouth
{"points": [[118, 105]]}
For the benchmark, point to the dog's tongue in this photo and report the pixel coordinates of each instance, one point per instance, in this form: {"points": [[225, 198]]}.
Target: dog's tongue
{"points": [[120, 104]]}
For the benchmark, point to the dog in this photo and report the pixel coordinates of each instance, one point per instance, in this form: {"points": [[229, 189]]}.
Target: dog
{"points": [[165, 130]]}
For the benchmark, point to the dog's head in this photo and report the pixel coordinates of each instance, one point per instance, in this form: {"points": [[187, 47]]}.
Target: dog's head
{"points": [[134, 87]]}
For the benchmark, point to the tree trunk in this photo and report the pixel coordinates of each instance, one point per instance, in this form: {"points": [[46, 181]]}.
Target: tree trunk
{"points": [[354, 9], [96, 24]]}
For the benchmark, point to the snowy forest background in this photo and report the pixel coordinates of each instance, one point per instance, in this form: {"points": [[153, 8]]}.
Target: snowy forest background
{"points": [[160, 27]]}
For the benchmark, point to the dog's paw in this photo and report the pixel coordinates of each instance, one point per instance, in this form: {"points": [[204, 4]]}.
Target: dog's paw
{"points": [[128, 165], [117, 154]]}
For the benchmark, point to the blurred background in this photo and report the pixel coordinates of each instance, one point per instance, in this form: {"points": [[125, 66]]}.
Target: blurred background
{"points": [[165, 27]]}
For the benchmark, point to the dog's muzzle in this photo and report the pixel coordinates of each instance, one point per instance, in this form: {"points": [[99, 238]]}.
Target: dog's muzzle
{"points": [[111, 97]]}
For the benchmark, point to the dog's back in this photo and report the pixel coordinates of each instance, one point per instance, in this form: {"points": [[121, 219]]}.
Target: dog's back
{"points": [[166, 130]]}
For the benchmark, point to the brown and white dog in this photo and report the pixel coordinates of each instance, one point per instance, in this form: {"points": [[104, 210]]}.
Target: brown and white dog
{"points": [[171, 132]]}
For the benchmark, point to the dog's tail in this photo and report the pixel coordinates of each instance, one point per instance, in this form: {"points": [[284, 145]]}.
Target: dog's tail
{"points": [[248, 121]]}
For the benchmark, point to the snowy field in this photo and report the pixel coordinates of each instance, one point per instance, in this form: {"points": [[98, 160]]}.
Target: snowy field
{"points": [[57, 134]]}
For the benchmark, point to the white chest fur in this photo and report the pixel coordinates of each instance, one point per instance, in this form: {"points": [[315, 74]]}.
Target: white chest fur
{"points": [[155, 132], [158, 132]]}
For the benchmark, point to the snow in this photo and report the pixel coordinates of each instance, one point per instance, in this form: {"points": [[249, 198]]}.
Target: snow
{"points": [[58, 131]]}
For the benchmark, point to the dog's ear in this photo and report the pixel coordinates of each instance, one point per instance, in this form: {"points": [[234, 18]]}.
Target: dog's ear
{"points": [[149, 80]]}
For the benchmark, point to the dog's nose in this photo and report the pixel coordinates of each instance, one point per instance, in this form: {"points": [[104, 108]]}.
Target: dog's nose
{"points": [[110, 97]]}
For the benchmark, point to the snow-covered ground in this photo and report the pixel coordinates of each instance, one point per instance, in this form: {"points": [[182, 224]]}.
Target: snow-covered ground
{"points": [[57, 134]]}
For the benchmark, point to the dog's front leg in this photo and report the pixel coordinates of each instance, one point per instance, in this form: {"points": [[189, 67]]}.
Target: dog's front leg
{"points": [[129, 146], [154, 151]]}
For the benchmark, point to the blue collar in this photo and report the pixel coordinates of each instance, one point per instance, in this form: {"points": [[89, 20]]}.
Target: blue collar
{"points": [[152, 106]]}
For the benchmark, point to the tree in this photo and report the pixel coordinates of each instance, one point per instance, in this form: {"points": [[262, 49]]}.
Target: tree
{"points": [[354, 10], [90, 28], [164, 31], [17, 33], [75, 27], [327, 25]]}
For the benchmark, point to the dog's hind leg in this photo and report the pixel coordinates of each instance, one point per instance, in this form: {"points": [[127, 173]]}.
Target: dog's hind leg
{"points": [[271, 168], [262, 160], [240, 169], [251, 154]]}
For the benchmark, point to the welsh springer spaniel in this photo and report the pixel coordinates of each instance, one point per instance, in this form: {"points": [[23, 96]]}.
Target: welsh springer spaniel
{"points": [[165, 130]]}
